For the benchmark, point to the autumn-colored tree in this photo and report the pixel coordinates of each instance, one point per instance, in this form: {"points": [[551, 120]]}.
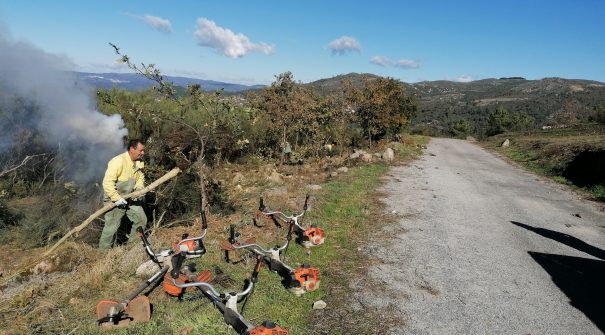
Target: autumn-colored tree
{"points": [[382, 107], [286, 103]]}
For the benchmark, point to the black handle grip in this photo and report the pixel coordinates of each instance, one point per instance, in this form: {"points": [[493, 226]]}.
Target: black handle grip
{"points": [[232, 234], [256, 270], [177, 264], [306, 203], [261, 206], [290, 230], [141, 233], [147, 245]]}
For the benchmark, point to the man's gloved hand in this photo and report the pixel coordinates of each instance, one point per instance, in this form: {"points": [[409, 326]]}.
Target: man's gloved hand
{"points": [[121, 202]]}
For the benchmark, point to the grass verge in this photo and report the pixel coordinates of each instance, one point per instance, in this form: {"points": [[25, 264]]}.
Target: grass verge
{"points": [[551, 153]]}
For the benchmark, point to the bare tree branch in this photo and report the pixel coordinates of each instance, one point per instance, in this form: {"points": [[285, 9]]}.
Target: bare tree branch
{"points": [[11, 169]]}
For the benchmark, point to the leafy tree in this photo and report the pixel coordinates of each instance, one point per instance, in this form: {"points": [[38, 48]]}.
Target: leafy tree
{"points": [[462, 128], [501, 120], [382, 106], [286, 103], [599, 114]]}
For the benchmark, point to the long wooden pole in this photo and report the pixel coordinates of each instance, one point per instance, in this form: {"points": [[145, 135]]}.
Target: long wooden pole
{"points": [[171, 174]]}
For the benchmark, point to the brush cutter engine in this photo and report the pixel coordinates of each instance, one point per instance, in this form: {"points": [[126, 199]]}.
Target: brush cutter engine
{"points": [[192, 247], [306, 279], [310, 237], [268, 328]]}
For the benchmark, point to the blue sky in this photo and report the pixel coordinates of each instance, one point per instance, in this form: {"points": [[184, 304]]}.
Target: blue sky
{"points": [[249, 42]]}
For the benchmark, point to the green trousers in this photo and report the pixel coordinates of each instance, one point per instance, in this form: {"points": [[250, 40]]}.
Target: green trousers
{"points": [[136, 214]]}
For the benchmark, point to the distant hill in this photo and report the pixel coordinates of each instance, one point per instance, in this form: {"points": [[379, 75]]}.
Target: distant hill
{"points": [[333, 85], [448, 101], [441, 103], [444, 102], [135, 82]]}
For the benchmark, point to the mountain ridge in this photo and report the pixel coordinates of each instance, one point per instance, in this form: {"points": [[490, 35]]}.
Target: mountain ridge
{"points": [[441, 102], [136, 82]]}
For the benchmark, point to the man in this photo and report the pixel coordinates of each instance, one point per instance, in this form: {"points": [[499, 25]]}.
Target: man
{"points": [[123, 175]]}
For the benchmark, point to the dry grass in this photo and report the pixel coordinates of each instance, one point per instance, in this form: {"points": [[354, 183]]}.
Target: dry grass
{"points": [[63, 300]]}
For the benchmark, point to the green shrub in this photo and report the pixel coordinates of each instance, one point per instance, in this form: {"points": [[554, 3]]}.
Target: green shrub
{"points": [[598, 191]]}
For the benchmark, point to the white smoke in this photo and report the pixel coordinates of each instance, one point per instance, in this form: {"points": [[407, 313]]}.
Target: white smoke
{"points": [[65, 113]]}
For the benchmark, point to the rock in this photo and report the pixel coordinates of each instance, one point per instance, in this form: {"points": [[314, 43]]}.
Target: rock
{"points": [[388, 154], [314, 187], [506, 143], [366, 158], [471, 139], [74, 301], [44, 267], [333, 174], [357, 154], [275, 177], [319, 304], [147, 269], [238, 178], [343, 169], [277, 191]]}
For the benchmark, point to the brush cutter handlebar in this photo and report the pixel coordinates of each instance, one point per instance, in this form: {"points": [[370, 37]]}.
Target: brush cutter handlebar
{"points": [[192, 246], [281, 216], [234, 245], [177, 264], [182, 245], [298, 281], [226, 303], [307, 236], [147, 246]]}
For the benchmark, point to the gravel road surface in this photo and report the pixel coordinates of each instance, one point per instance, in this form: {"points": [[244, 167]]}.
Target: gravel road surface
{"points": [[484, 247]]}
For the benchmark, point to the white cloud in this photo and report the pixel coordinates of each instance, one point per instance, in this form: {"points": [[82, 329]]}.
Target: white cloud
{"points": [[380, 61], [402, 63], [343, 45], [406, 64], [462, 79], [226, 41], [158, 23]]}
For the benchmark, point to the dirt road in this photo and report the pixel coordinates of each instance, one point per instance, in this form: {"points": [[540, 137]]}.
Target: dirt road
{"points": [[482, 247]]}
